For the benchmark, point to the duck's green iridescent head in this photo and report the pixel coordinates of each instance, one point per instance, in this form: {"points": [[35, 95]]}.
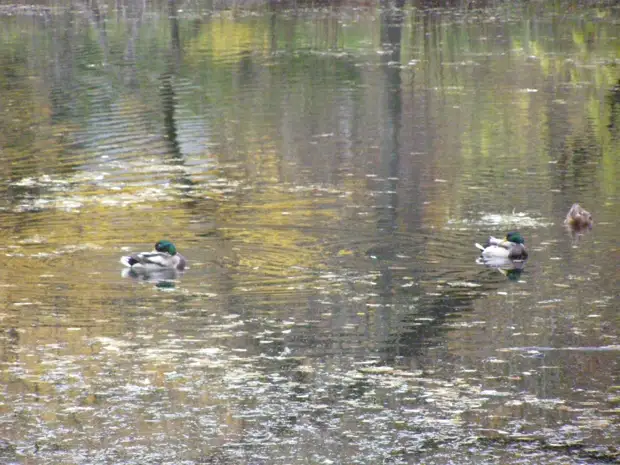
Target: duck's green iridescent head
{"points": [[515, 237], [166, 246]]}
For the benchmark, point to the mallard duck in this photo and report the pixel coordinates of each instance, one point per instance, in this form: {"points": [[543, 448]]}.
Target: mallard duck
{"points": [[164, 257], [578, 218], [512, 248]]}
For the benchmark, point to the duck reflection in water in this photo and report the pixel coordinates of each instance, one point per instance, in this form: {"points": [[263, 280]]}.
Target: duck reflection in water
{"points": [[161, 278], [512, 269]]}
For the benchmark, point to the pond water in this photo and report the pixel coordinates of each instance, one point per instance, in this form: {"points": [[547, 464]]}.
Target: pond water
{"points": [[326, 171]]}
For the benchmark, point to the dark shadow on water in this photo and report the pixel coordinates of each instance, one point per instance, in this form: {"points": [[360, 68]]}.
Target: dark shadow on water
{"points": [[578, 160], [168, 98], [614, 118], [424, 326]]}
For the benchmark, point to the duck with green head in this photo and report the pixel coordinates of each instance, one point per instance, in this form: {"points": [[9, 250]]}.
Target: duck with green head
{"points": [[164, 257], [512, 247]]}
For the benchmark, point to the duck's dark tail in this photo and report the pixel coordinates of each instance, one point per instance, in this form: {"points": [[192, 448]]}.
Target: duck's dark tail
{"points": [[128, 261]]}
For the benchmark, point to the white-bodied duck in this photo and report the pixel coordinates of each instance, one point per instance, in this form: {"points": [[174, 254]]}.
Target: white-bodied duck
{"points": [[512, 247], [164, 257]]}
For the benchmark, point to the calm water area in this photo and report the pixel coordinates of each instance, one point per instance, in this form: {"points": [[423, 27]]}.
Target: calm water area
{"points": [[327, 171]]}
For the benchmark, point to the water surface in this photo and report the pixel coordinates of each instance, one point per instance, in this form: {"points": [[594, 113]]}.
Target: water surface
{"points": [[327, 172]]}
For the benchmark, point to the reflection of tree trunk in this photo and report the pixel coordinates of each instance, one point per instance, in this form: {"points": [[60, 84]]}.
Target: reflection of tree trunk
{"points": [[168, 106], [174, 26], [391, 32], [273, 34], [63, 43], [614, 116], [168, 96], [99, 24]]}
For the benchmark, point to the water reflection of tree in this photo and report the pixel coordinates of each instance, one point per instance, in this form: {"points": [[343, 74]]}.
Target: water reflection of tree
{"points": [[578, 161], [390, 147], [614, 117], [167, 92]]}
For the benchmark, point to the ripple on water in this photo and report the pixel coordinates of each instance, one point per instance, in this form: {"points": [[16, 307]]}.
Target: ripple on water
{"points": [[256, 398], [318, 323]]}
